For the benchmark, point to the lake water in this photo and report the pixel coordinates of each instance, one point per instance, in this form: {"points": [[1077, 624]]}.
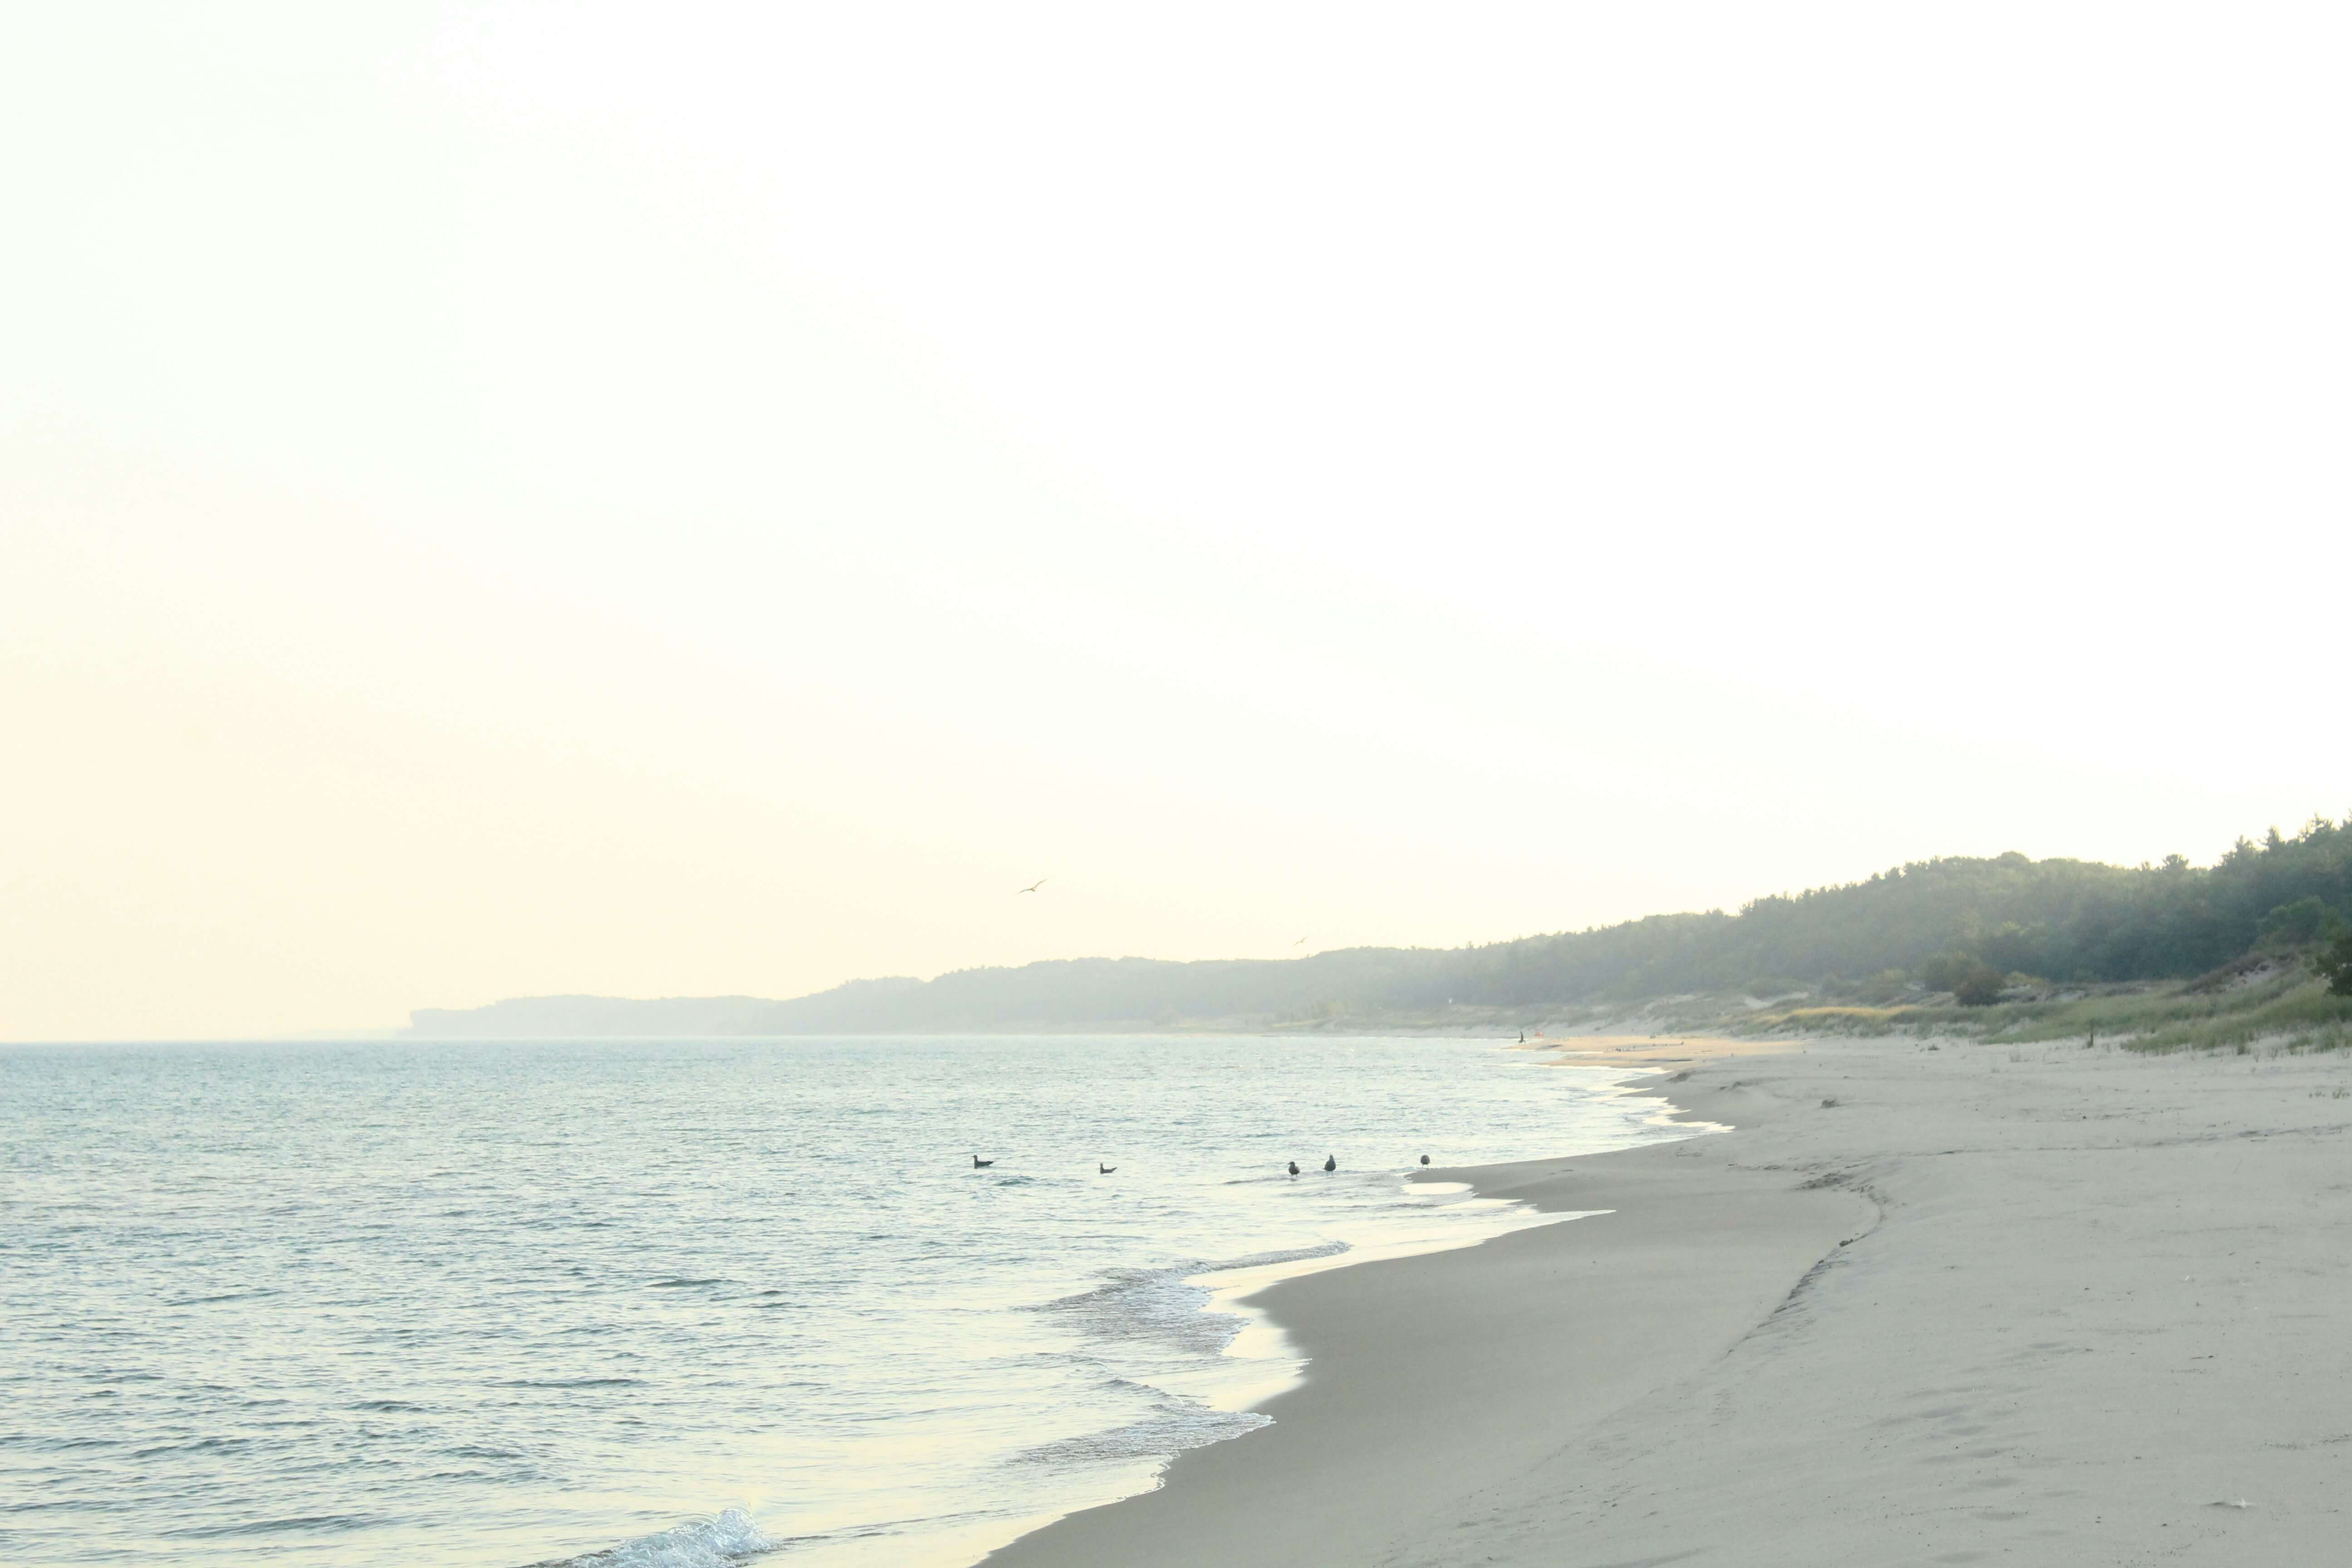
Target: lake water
{"points": [[676, 1303]]}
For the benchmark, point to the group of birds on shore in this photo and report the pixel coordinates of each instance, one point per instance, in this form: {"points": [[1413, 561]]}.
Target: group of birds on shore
{"points": [[1330, 1164]]}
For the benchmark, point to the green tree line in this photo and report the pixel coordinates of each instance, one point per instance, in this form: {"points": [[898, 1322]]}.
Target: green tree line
{"points": [[2061, 920]]}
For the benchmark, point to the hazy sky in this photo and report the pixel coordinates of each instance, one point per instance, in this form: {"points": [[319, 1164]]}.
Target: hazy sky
{"points": [[668, 500]]}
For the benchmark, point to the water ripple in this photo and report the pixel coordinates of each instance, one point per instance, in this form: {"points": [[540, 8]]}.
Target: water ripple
{"points": [[450, 1305]]}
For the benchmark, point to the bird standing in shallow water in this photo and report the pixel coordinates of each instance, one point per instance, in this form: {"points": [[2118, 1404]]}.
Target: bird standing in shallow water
{"points": [[1293, 1167], [1330, 1161], [1425, 1159]]}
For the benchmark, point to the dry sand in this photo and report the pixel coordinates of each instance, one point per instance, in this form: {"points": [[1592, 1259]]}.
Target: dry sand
{"points": [[2039, 1304]]}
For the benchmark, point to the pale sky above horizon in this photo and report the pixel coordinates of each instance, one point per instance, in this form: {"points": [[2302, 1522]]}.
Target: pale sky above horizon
{"points": [[499, 500]]}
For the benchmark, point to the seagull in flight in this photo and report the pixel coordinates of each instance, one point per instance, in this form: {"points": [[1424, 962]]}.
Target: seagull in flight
{"points": [[1301, 943], [1033, 886]]}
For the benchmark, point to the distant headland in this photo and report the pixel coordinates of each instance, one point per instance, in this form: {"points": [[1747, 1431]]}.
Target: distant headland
{"points": [[1921, 942]]}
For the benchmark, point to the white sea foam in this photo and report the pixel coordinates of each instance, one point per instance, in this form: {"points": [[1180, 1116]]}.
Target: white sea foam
{"points": [[705, 1543]]}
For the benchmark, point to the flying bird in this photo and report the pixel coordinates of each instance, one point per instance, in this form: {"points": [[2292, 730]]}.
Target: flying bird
{"points": [[1301, 943], [1035, 886]]}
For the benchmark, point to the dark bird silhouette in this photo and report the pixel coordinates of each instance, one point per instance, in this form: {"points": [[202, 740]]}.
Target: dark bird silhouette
{"points": [[1523, 1036], [1330, 1161], [1293, 1167], [1425, 1159], [980, 1164], [1301, 943], [1035, 886], [1101, 1169]]}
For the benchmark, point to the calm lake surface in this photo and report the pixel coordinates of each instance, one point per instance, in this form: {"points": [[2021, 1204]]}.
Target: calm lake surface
{"points": [[678, 1302]]}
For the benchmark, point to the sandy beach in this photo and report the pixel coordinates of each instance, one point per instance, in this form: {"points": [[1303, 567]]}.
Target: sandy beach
{"points": [[2037, 1304]]}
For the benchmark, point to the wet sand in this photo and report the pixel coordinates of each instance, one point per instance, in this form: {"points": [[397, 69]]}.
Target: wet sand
{"points": [[2042, 1304]]}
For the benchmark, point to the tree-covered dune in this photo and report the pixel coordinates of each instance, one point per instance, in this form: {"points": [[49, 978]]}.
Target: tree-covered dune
{"points": [[2061, 920], [1931, 925]]}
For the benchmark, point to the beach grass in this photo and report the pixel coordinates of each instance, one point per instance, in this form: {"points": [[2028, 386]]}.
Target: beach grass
{"points": [[2285, 1006]]}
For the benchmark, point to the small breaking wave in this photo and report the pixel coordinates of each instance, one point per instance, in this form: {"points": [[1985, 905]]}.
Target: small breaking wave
{"points": [[1167, 1303], [705, 1543]]}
